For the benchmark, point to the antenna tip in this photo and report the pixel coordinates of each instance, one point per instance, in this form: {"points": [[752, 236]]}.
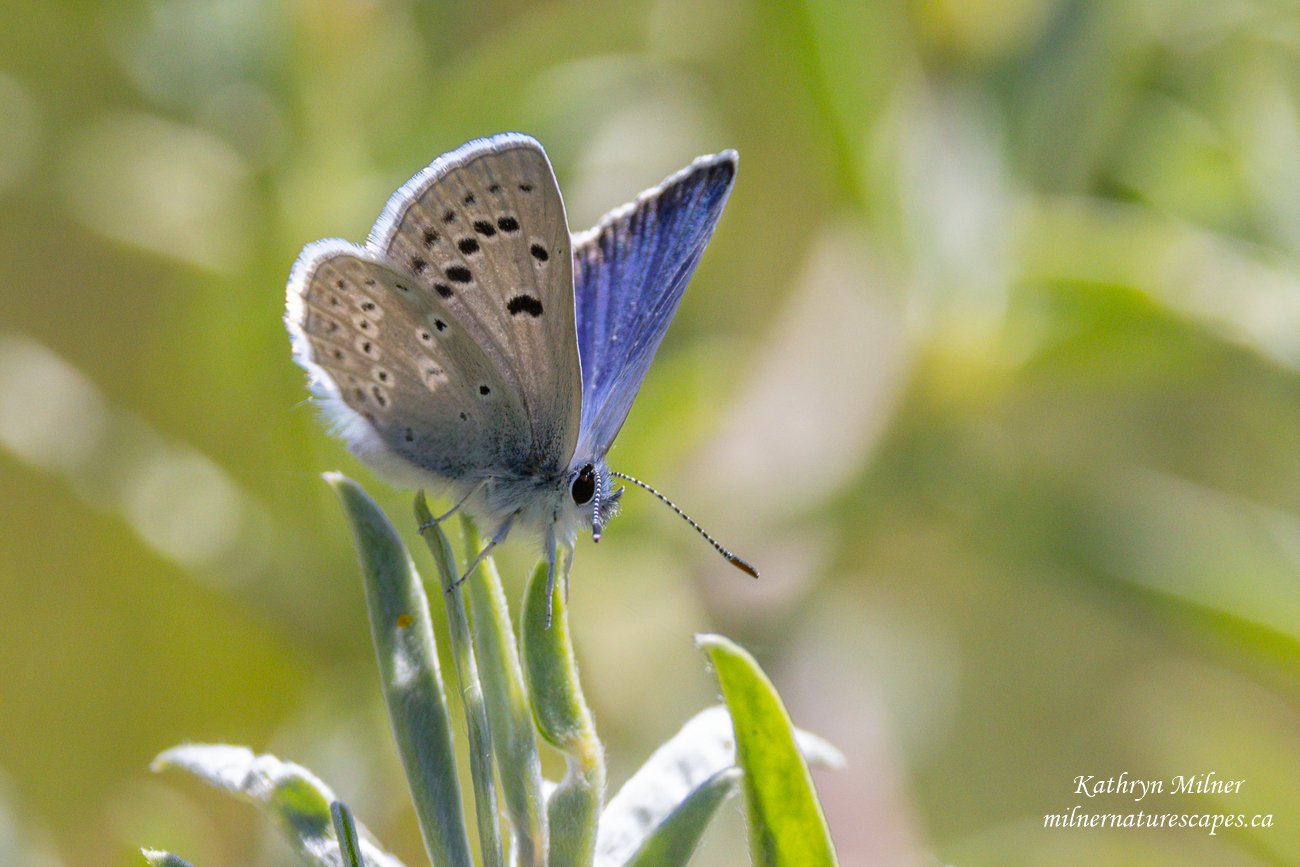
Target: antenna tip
{"points": [[742, 565]]}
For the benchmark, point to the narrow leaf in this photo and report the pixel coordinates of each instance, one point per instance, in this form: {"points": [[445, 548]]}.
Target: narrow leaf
{"points": [[294, 796], [562, 717], [408, 670], [157, 858], [471, 693], [346, 832], [675, 773], [674, 840], [559, 709], [514, 740], [786, 825]]}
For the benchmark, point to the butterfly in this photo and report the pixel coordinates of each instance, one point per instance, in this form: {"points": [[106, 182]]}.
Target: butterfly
{"points": [[474, 346]]}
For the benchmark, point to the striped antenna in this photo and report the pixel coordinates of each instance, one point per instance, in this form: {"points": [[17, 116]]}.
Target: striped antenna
{"points": [[731, 558]]}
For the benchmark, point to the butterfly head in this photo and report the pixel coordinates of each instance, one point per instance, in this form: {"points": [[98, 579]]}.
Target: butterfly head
{"points": [[589, 491]]}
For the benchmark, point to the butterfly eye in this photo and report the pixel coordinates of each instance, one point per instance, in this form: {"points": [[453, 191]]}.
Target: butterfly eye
{"points": [[584, 485]]}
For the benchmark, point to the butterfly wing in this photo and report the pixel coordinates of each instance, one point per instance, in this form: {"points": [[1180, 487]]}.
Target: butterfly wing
{"points": [[446, 345], [405, 383], [483, 231], [630, 271]]}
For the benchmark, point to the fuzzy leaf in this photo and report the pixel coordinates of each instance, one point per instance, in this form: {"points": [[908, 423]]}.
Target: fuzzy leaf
{"points": [[157, 858], [408, 669], [345, 830], [563, 718], [674, 840], [511, 722], [471, 692], [294, 796], [786, 825], [674, 774]]}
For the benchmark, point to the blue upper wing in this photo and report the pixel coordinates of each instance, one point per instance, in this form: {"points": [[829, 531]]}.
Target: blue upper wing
{"points": [[629, 273]]}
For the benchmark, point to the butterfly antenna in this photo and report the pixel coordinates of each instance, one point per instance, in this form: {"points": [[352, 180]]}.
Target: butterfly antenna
{"points": [[730, 557]]}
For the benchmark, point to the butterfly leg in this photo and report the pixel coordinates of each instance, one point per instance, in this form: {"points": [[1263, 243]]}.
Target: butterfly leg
{"points": [[568, 564], [550, 572], [496, 539], [553, 554], [433, 522]]}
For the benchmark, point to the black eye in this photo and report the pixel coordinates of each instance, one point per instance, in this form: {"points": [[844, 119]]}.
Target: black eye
{"points": [[584, 486]]}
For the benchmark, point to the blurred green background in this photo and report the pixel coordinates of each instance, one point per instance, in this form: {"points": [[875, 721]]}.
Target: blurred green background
{"points": [[993, 367]]}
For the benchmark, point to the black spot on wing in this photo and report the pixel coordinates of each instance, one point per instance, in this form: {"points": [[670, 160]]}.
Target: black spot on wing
{"points": [[484, 228], [449, 217], [459, 274], [525, 304], [430, 237], [539, 253], [508, 224], [468, 246], [442, 289]]}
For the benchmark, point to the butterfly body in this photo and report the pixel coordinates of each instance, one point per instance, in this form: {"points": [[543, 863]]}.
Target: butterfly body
{"points": [[474, 347]]}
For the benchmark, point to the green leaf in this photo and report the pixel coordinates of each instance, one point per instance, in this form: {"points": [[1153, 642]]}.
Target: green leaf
{"points": [[653, 810], [157, 858], [514, 739], [786, 825], [562, 717], [471, 692], [408, 669], [559, 709], [674, 840], [345, 830], [298, 801]]}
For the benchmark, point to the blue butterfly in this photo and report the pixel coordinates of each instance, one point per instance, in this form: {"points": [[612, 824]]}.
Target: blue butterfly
{"points": [[473, 346]]}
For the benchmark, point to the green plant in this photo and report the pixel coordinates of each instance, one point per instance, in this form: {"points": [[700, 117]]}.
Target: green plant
{"points": [[510, 696]]}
